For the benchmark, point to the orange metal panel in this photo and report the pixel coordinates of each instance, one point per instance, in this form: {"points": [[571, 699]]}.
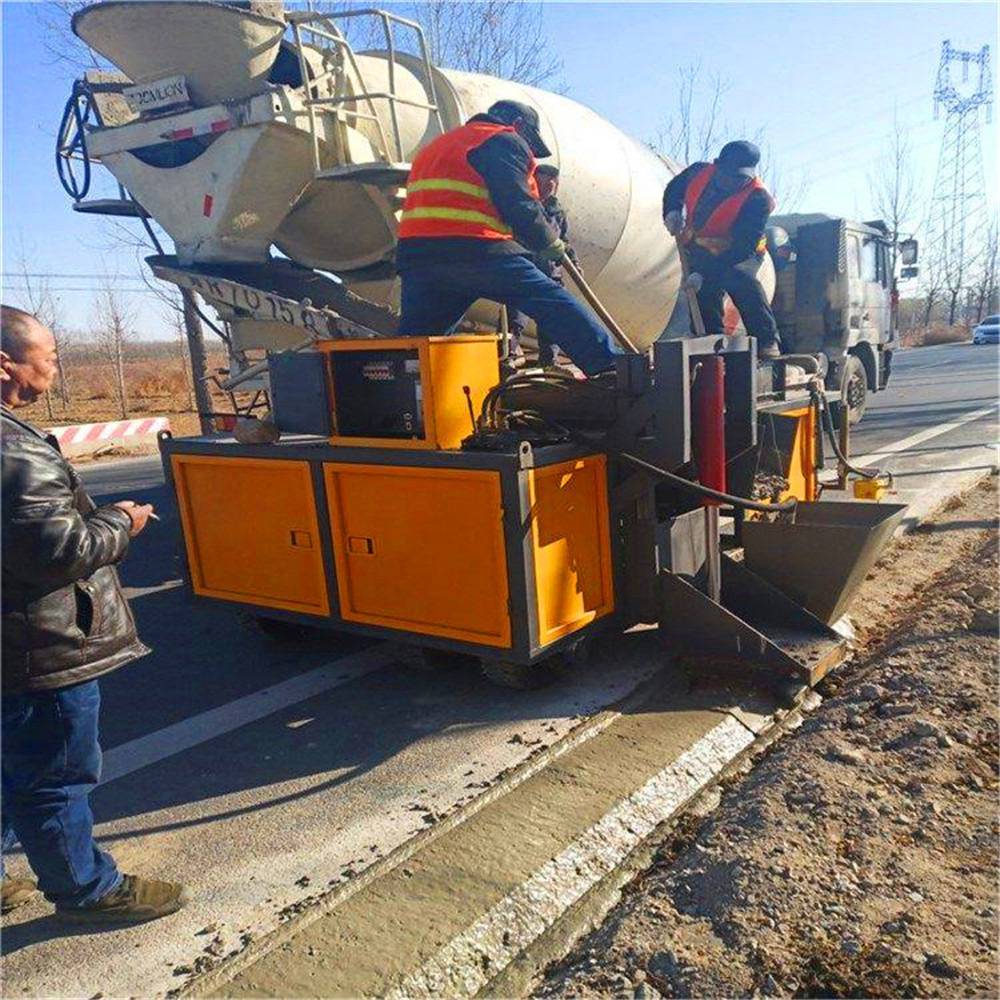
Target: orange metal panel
{"points": [[571, 545], [447, 365], [251, 531], [802, 472], [420, 550]]}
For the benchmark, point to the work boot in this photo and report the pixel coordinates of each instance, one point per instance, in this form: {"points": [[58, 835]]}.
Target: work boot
{"points": [[16, 892], [768, 352], [134, 901]]}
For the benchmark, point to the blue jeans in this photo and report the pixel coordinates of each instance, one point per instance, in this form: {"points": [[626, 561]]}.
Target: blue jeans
{"points": [[435, 297], [51, 761]]}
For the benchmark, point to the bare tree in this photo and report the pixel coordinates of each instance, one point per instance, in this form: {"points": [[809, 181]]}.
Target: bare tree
{"points": [[698, 127], [114, 322], [692, 130], [40, 301], [199, 358], [175, 318], [894, 185], [984, 293]]}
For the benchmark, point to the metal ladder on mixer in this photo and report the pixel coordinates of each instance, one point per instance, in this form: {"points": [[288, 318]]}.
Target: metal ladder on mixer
{"points": [[391, 170]]}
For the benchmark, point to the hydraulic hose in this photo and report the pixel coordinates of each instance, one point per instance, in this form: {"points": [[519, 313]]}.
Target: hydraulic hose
{"points": [[744, 503], [831, 435]]}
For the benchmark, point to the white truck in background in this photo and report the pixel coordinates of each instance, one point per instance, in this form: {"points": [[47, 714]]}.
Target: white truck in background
{"points": [[836, 294]]}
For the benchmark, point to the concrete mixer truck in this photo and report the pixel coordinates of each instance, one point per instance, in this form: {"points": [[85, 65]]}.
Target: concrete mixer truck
{"points": [[410, 490], [242, 128]]}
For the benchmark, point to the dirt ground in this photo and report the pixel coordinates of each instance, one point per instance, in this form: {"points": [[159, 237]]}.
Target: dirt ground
{"points": [[859, 857], [154, 387]]}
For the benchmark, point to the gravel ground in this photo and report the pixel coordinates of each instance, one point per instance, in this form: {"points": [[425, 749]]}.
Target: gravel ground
{"points": [[859, 857]]}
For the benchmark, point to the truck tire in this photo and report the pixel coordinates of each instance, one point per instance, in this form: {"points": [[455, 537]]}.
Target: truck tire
{"points": [[854, 388]]}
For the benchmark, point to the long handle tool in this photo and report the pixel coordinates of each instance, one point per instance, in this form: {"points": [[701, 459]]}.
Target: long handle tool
{"points": [[595, 303]]}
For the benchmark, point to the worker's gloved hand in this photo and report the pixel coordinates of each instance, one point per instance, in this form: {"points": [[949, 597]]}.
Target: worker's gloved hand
{"points": [[694, 281], [672, 220], [554, 251]]}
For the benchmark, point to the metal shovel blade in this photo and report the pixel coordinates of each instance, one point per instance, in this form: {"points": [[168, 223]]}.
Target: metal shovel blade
{"points": [[821, 558]]}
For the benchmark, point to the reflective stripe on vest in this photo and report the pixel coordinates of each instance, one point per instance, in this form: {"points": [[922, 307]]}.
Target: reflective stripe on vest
{"points": [[445, 196], [715, 234]]}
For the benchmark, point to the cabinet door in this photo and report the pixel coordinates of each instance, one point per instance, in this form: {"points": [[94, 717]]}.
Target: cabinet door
{"points": [[420, 550], [251, 531]]}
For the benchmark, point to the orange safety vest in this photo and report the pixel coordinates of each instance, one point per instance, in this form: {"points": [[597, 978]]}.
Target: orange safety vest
{"points": [[446, 197], [714, 234]]}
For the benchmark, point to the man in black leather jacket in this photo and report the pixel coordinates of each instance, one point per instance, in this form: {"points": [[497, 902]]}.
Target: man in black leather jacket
{"points": [[65, 622]]}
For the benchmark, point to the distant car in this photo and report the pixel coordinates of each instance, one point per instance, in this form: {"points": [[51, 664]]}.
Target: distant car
{"points": [[988, 332]]}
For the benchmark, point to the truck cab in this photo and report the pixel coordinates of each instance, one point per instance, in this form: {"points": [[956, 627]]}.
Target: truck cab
{"points": [[836, 295]]}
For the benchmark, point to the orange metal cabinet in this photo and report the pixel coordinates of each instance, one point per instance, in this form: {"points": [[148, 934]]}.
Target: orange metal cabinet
{"points": [[421, 550], [801, 471], [446, 365], [570, 545], [251, 531]]}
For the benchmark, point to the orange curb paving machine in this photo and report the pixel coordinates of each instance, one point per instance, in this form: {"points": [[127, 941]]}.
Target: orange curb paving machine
{"points": [[416, 495]]}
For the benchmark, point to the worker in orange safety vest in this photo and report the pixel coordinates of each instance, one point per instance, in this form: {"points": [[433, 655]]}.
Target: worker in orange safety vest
{"points": [[472, 220], [718, 212]]}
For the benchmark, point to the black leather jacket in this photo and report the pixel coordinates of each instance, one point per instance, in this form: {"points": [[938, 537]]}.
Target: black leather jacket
{"points": [[65, 618]]}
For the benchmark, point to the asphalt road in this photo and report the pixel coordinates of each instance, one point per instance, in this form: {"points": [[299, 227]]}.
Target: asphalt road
{"points": [[261, 772]]}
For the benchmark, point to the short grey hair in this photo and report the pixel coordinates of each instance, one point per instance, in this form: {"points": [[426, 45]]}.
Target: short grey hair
{"points": [[15, 331]]}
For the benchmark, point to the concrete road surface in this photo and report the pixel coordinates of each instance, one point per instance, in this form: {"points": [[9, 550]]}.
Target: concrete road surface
{"points": [[261, 773]]}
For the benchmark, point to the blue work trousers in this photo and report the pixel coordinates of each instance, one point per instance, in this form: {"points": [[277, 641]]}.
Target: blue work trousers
{"points": [[436, 296], [51, 761]]}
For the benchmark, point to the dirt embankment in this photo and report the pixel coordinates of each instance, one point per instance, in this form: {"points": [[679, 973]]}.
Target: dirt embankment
{"points": [[859, 858]]}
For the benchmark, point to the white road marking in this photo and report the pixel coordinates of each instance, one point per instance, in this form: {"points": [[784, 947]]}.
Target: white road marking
{"points": [[526, 912], [925, 435], [145, 750]]}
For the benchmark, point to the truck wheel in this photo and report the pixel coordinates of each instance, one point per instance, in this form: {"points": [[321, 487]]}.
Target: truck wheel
{"points": [[519, 676], [854, 388]]}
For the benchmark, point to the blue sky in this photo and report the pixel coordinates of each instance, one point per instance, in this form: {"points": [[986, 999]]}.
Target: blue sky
{"points": [[822, 80]]}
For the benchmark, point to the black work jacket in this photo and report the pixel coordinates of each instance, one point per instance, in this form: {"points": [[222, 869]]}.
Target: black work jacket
{"points": [[65, 617], [504, 162], [749, 227]]}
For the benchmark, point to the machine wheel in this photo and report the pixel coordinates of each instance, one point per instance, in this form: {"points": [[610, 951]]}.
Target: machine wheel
{"points": [[438, 660], [854, 388], [519, 676], [279, 630]]}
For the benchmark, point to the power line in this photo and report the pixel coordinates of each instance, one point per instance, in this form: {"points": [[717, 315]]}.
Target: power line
{"points": [[67, 274], [64, 288]]}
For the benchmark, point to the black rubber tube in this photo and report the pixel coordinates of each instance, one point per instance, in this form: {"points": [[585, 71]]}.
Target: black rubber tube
{"points": [[706, 491], [831, 434]]}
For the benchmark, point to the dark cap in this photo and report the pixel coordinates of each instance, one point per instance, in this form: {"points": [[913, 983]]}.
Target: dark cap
{"points": [[547, 170], [529, 128], [739, 157]]}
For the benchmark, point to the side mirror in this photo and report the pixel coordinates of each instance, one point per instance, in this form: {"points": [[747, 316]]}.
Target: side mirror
{"points": [[909, 272], [908, 252]]}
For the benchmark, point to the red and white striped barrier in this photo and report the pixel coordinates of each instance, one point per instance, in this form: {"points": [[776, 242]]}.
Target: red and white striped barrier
{"points": [[91, 435]]}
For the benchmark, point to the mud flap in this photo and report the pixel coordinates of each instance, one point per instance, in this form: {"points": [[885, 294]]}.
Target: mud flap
{"points": [[754, 628]]}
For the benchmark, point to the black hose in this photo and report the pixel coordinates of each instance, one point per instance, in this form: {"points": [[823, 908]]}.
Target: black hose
{"points": [[742, 502], [831, 434]]}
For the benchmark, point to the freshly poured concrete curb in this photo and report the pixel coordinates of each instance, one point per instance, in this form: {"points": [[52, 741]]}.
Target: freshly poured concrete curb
{"points": [[513, 924]]}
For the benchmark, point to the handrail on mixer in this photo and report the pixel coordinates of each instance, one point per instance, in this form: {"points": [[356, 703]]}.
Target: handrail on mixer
{"points": [[323, 26]]}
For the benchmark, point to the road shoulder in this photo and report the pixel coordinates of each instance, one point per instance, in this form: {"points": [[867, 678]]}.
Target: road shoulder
{"points": [[860, 857]]}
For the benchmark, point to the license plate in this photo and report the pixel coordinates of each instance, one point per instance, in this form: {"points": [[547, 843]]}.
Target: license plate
{"points": [[168, 92]]}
